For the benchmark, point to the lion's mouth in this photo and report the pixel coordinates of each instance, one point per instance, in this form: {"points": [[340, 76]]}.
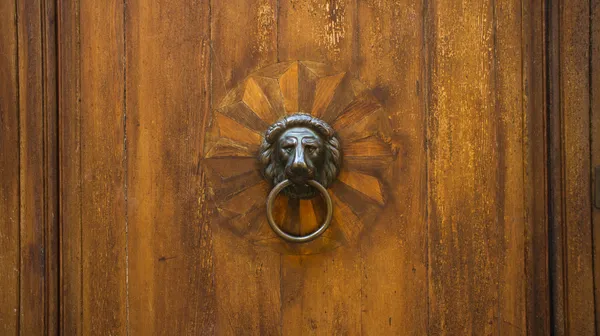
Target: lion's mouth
{"points": [[299, 177], [301, 191]]}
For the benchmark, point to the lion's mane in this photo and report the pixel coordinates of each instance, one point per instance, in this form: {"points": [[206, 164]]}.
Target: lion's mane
{"points": [[273, 169]]}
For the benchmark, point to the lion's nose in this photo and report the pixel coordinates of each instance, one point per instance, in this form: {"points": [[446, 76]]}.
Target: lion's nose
{"points": [[299, 166], [299, 171]]}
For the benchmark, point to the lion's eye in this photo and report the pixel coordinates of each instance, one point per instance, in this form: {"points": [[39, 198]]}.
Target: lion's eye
{"points": [[311, 149]]}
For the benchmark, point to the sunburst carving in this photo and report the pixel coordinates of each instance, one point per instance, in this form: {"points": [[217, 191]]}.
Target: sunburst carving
{"points": [[239, 192]]}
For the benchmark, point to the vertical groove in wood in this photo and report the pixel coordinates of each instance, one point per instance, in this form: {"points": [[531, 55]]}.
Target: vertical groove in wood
{"points": [[9, 171], [70, 291], [535, 167], [126, 168], [50, 71], [555, 175], [170, 240], [427, 34], [595, 146], [102, 173]]}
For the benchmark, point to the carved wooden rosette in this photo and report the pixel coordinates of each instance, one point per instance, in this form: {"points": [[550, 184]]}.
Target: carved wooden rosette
{"points": [[237, 189]]}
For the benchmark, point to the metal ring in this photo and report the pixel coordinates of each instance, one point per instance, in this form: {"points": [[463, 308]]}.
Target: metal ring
{"points": [[299, 239]]}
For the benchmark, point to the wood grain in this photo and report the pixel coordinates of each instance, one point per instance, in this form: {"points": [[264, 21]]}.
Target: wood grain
{"points": [[69, 93], [321, 293], [102, 135], [9, 172], [298, 88], [575, 135], [247, 277], [473, 211], [555, 175], [51, 169], [171, 284], [510, 172], [533, 25], [476, 169], [394, 250], [32, 317], [320, 31], [595, 146]]}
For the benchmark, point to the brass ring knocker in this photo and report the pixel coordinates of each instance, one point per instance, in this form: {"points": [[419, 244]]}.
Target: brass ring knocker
{"points": [[299, 239]]}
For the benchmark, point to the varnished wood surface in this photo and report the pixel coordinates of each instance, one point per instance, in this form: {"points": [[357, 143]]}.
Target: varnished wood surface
{"points": [[246, 279], [29, 180], [170, 248], [472, 224], [476, 210], [9, 172], [69, 92], [535, 200], [569, 169], [103, 185]]}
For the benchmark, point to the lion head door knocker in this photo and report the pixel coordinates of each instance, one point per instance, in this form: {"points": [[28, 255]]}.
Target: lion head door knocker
{"points": [[273, 158], [301, 156]]}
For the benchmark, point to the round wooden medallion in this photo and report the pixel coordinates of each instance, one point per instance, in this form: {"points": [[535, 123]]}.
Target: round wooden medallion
{"points": [[238, 191]]}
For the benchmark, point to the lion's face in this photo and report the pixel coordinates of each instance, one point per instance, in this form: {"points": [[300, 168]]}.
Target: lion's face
{"points": [[300, 151], [300, 148]]}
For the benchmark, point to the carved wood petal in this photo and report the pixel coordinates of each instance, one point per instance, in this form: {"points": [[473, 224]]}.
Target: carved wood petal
{"points": [[239, 192], [298, 88]]}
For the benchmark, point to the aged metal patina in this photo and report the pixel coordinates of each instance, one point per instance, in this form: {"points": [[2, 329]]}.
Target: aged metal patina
{"points": [[301, 157]]}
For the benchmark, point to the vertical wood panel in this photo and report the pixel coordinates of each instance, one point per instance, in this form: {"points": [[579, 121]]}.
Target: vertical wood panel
{"points": [[70, 168], [103, 254], [574, 25], [555, 174], [32, 186], [50, 149], [9, 171], [476, 170], [171, 289], [510, 194], [463, 233], [535, 167], [321, 293], [247, 277], [394, 253]]}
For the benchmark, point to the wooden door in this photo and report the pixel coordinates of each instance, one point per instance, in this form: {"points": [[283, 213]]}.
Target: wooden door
{"points": [[132, 202]]}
